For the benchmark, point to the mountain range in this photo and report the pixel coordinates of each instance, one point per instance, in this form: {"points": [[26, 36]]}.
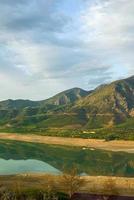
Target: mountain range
{"points": [[108, 105]]}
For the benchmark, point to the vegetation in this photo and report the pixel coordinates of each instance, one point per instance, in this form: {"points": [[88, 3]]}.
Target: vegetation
{"points": [[32, 187], [115, 133], [110, 187], [71, 182], [34, 193], [50, 187], [107, 110]]}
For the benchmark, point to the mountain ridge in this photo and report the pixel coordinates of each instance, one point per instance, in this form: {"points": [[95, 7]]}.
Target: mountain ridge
{"points": [[106, 106], [21, 103]]}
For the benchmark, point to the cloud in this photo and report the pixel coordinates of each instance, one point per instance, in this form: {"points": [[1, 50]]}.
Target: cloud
{"points": [[48, 46], [109, 26]]}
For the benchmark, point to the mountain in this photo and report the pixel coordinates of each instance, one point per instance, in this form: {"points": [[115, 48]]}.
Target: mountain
{"points": [[110, 104], [17, 104], [66, 97], [63, 98], [107, 106], [26, 112]]}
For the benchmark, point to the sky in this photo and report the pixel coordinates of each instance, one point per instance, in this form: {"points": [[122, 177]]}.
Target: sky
{"points": [[47, 46]]}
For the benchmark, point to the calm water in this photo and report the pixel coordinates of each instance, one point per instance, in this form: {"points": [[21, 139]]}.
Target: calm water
{"points": [[22, 157], [8, 167]]}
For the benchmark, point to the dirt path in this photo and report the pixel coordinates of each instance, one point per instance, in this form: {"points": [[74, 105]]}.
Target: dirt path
{"points": [[126, 146]]}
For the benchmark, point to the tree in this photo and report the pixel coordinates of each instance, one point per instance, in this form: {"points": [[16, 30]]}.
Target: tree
{"points": [[71, 181]]}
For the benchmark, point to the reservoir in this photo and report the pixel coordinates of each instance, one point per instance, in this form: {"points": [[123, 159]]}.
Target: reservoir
{"points": [[9, 167], [23, 157]]}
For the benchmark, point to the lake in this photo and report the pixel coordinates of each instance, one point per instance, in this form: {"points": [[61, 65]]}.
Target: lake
{"points": [[8, 167], [22, 157]]}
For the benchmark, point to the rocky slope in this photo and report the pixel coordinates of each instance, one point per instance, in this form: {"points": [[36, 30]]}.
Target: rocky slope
{"points": [[106, 106]]}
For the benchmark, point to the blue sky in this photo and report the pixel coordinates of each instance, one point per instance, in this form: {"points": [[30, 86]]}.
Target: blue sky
{"points": [[50, 46]]}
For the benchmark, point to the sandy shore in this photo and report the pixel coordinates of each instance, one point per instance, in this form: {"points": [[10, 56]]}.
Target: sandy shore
{"points": [[116, 145]]}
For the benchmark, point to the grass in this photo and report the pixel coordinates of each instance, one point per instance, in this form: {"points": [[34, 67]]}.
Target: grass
{"points": [[118, 132], [33, 186]]}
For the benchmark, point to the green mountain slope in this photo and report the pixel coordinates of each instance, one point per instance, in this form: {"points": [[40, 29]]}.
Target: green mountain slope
{"points": [[110, 104], [17, 104], [66, 97], [40, 113], [63, 98], [107, 106]]}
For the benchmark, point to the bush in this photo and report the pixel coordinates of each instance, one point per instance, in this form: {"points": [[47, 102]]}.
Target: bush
{"points": [[111, 137]]}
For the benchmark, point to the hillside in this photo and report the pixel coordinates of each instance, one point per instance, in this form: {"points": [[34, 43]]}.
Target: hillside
{"points": [[17, 104], [110, 104], [63, 98], [16, 113], [107, 106], [66, 97]]}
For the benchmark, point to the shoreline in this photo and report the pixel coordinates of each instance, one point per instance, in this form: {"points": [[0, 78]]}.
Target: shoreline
{"points": [[114, 145], [92, 184]]}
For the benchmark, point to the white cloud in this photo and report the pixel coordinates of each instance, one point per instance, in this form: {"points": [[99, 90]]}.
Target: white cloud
{"points": [[49, 46], [109, 30]]}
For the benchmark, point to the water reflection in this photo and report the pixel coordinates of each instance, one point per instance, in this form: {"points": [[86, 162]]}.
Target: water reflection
{"points": [[88, 161], [8, 167]]}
